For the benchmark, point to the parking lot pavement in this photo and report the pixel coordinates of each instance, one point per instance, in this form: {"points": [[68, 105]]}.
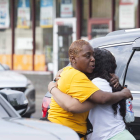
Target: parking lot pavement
{"points": [[38, 113], [40, 81]]}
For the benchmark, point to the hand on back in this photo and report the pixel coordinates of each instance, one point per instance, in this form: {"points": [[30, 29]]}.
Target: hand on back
{"points": [[54, 83]]}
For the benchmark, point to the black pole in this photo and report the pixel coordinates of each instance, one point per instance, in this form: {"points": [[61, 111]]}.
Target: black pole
{"points": [[33, 28], [79, 18], [113, 15], [13, 32]]}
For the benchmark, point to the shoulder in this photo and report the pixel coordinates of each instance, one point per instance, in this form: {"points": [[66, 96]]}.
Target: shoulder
{"points": [[73, 73], [100, 80], [102, 84], [70, 75]]}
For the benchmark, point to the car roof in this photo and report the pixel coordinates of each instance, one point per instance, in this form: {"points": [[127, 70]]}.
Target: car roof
{"points": [[116, 37]]}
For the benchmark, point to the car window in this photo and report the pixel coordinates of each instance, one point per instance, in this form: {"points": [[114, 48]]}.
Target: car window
{"points": [[3, 113], [133, 73], [1, 68], [122, 54]]}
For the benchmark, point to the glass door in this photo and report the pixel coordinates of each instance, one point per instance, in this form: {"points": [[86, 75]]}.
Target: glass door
{"points": [[64, 41], [64, 34]]}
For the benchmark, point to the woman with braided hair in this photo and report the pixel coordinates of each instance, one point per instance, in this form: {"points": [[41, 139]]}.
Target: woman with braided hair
{"points": [[108, 120]]}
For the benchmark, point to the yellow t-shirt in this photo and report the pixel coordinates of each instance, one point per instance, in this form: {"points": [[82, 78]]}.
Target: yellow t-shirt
{"points": [[77, 85]]}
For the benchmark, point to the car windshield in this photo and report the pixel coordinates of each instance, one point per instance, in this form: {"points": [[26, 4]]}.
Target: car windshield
{"points": [[1, 68]]}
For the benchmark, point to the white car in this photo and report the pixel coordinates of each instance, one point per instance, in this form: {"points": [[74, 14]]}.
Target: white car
{"points": [[15, 81], [13, 127]]}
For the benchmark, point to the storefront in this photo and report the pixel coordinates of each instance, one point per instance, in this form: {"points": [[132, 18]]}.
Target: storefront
{"points": [[36, 34], [26, 34]]}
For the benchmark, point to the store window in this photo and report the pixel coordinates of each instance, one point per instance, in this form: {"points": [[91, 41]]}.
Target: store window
{"points": [[44, 33], [100, 22], [101, 8], [84, 22], [65, 8], [126, 14], [64, 41], [23, 57], [23, 35], [5, 32]]}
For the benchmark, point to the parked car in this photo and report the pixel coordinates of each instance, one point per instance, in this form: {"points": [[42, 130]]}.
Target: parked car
{"points": [[125, 46], [17, 99], [15, 81], [13, 127]]}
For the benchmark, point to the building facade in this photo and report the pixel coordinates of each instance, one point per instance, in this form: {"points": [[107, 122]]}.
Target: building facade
{"points": [[36, 34]]}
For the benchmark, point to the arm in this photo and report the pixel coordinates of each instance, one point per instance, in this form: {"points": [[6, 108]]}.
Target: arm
{"points": [[99, 97], [105, 95], [67, 102], [102, 97]]}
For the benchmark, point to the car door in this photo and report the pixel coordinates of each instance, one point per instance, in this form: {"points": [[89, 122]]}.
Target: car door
{"points": [[133, 83], [122, 54]]}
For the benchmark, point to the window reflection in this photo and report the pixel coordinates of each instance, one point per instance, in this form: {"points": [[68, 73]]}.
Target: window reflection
{"points": [[122, 54]]}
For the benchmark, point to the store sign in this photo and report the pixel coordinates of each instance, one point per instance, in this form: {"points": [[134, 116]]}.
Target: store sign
{"points": [[126, 14], [66, 8], [23, 17], [4, 14], [46, 13]]}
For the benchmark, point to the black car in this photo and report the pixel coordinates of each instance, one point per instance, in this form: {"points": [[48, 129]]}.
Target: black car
{"points": [[125, 46]]}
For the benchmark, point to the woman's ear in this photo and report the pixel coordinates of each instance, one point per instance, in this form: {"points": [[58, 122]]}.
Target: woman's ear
{"points": [[72, 59]]}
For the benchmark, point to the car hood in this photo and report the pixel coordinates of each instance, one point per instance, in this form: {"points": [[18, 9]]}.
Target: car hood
{"points": [[28, 129], [12, 79]]}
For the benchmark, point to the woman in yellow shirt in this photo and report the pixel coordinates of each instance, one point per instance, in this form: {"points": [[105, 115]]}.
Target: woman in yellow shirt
{"points": [[74, 82]]}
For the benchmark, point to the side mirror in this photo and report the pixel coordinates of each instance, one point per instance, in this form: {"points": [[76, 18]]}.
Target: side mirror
{"points": [[6, 67], [16, 98]]}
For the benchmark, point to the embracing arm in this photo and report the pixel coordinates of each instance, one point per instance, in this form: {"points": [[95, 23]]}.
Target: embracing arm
{"points": [[67, 102], [102, 97], [71, 104]]}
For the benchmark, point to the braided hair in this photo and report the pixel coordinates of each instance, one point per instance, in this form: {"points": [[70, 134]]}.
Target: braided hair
{"points": [[105, 64]]}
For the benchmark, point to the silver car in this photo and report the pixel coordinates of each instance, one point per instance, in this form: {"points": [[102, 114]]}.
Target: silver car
{"points": [[15, 81], [13, 127]]}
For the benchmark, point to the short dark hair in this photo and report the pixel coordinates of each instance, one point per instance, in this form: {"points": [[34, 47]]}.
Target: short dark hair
{"points": [[76, 47]]}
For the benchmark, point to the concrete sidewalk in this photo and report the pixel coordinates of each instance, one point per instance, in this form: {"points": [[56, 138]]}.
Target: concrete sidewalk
{"points": [[40, 81]]}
